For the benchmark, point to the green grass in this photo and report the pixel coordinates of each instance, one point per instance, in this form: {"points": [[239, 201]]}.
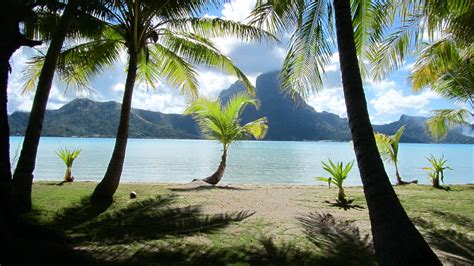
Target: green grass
{"points": [[164, 227]]}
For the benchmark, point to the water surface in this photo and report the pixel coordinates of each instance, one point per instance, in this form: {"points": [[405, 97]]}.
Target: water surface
{"points": [[249, 162]]}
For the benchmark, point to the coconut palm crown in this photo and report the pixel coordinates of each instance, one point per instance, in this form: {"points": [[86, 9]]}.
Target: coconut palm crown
{"points": [[223, 124], [440, 35]]}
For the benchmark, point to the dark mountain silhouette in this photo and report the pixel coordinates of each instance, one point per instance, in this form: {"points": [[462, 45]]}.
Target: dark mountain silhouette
{"points": [[287, 119]]}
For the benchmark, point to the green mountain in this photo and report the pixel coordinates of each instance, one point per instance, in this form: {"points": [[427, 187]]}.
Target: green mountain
{"points": [[87, 118], [287, 119]]}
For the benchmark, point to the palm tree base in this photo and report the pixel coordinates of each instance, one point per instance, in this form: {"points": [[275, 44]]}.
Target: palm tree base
{"points": [[401, 182]]}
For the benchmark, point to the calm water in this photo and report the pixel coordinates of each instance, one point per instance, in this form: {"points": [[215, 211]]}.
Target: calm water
{"points": [[179, 161]]}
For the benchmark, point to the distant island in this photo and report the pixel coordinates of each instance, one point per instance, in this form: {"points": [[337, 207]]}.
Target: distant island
{"points": [[287, 119]]}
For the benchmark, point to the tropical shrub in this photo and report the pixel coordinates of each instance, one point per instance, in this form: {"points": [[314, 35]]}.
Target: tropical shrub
{"points": [[438, 165], [68, 157], [338, 174], [388, 149]]}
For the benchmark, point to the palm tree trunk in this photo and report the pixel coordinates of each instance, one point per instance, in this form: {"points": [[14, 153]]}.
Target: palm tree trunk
{"points": [[11, 39], [341, 196], [436, 181], [23, 176], [396, 240], [5, 167], [217, 176], [397, 174], [399, 178], [68, 175], [109, 184]]}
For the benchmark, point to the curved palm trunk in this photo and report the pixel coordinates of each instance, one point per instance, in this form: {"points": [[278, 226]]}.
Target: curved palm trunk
{"points": [[217, 176], [397, 175], [396, 240], [109, 184], [399, 179], [23, 176]]}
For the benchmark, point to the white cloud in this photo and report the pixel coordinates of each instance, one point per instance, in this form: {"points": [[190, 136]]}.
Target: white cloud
{"points": [[238, 10], [211, 83], [329, 100], [394, 101], [119, 87]]}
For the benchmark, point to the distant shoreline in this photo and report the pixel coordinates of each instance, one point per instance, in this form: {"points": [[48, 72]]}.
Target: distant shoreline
{"points": [[264, 140]]}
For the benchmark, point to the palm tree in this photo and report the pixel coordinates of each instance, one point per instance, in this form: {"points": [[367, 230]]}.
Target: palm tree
{"points": [[223, 124], [68, 157], [438, 165], [163, 41], [74, 19], [388, 148], [12, 15], [338, 174], [396, 240], [444, 63]]}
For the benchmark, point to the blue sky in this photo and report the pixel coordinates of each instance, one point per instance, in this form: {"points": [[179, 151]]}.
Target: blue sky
{"points": [[387, 99]]}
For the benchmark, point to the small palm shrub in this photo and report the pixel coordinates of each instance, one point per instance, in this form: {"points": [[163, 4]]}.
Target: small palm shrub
{"points": [[68, 157], [438, 165], [388, 147], [338, 174]]}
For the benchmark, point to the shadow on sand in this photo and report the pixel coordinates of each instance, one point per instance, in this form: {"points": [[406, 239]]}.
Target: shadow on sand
{"points": [[344, 205], [331, 242], [458, 248], [206, 187]]}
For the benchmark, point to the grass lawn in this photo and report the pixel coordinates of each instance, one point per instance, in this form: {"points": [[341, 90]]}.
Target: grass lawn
{"points": [[245, 224]]}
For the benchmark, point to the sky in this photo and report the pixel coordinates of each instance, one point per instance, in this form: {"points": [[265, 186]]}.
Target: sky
{"points": [[387, 99]]}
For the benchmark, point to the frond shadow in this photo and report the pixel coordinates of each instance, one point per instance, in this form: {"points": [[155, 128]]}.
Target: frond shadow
{"points": [[454, 218], [153, 219], [339, 241], [331, 243], [80, 213], [449, 241], [344, 205], [265, 253]]}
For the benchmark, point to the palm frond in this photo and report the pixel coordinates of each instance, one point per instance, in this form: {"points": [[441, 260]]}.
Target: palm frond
{"points": [[258, 128], [201, 51], [310, 51], [443, 120], [217, 27], [277, 15], [68, 156]]}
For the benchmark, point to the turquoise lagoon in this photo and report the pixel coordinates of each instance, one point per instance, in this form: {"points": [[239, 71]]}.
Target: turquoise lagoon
{"points": [[249, 162]]}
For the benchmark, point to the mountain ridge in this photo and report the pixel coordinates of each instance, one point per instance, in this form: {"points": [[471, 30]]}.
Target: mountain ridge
{"points": [[83, 117]]}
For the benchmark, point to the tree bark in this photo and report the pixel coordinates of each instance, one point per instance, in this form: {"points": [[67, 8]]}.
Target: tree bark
{"points": [[341, 196], [11, 39], [68, 175], [217, 176], [396, 240], [23, 176], [109, 184], [5, 167]]}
